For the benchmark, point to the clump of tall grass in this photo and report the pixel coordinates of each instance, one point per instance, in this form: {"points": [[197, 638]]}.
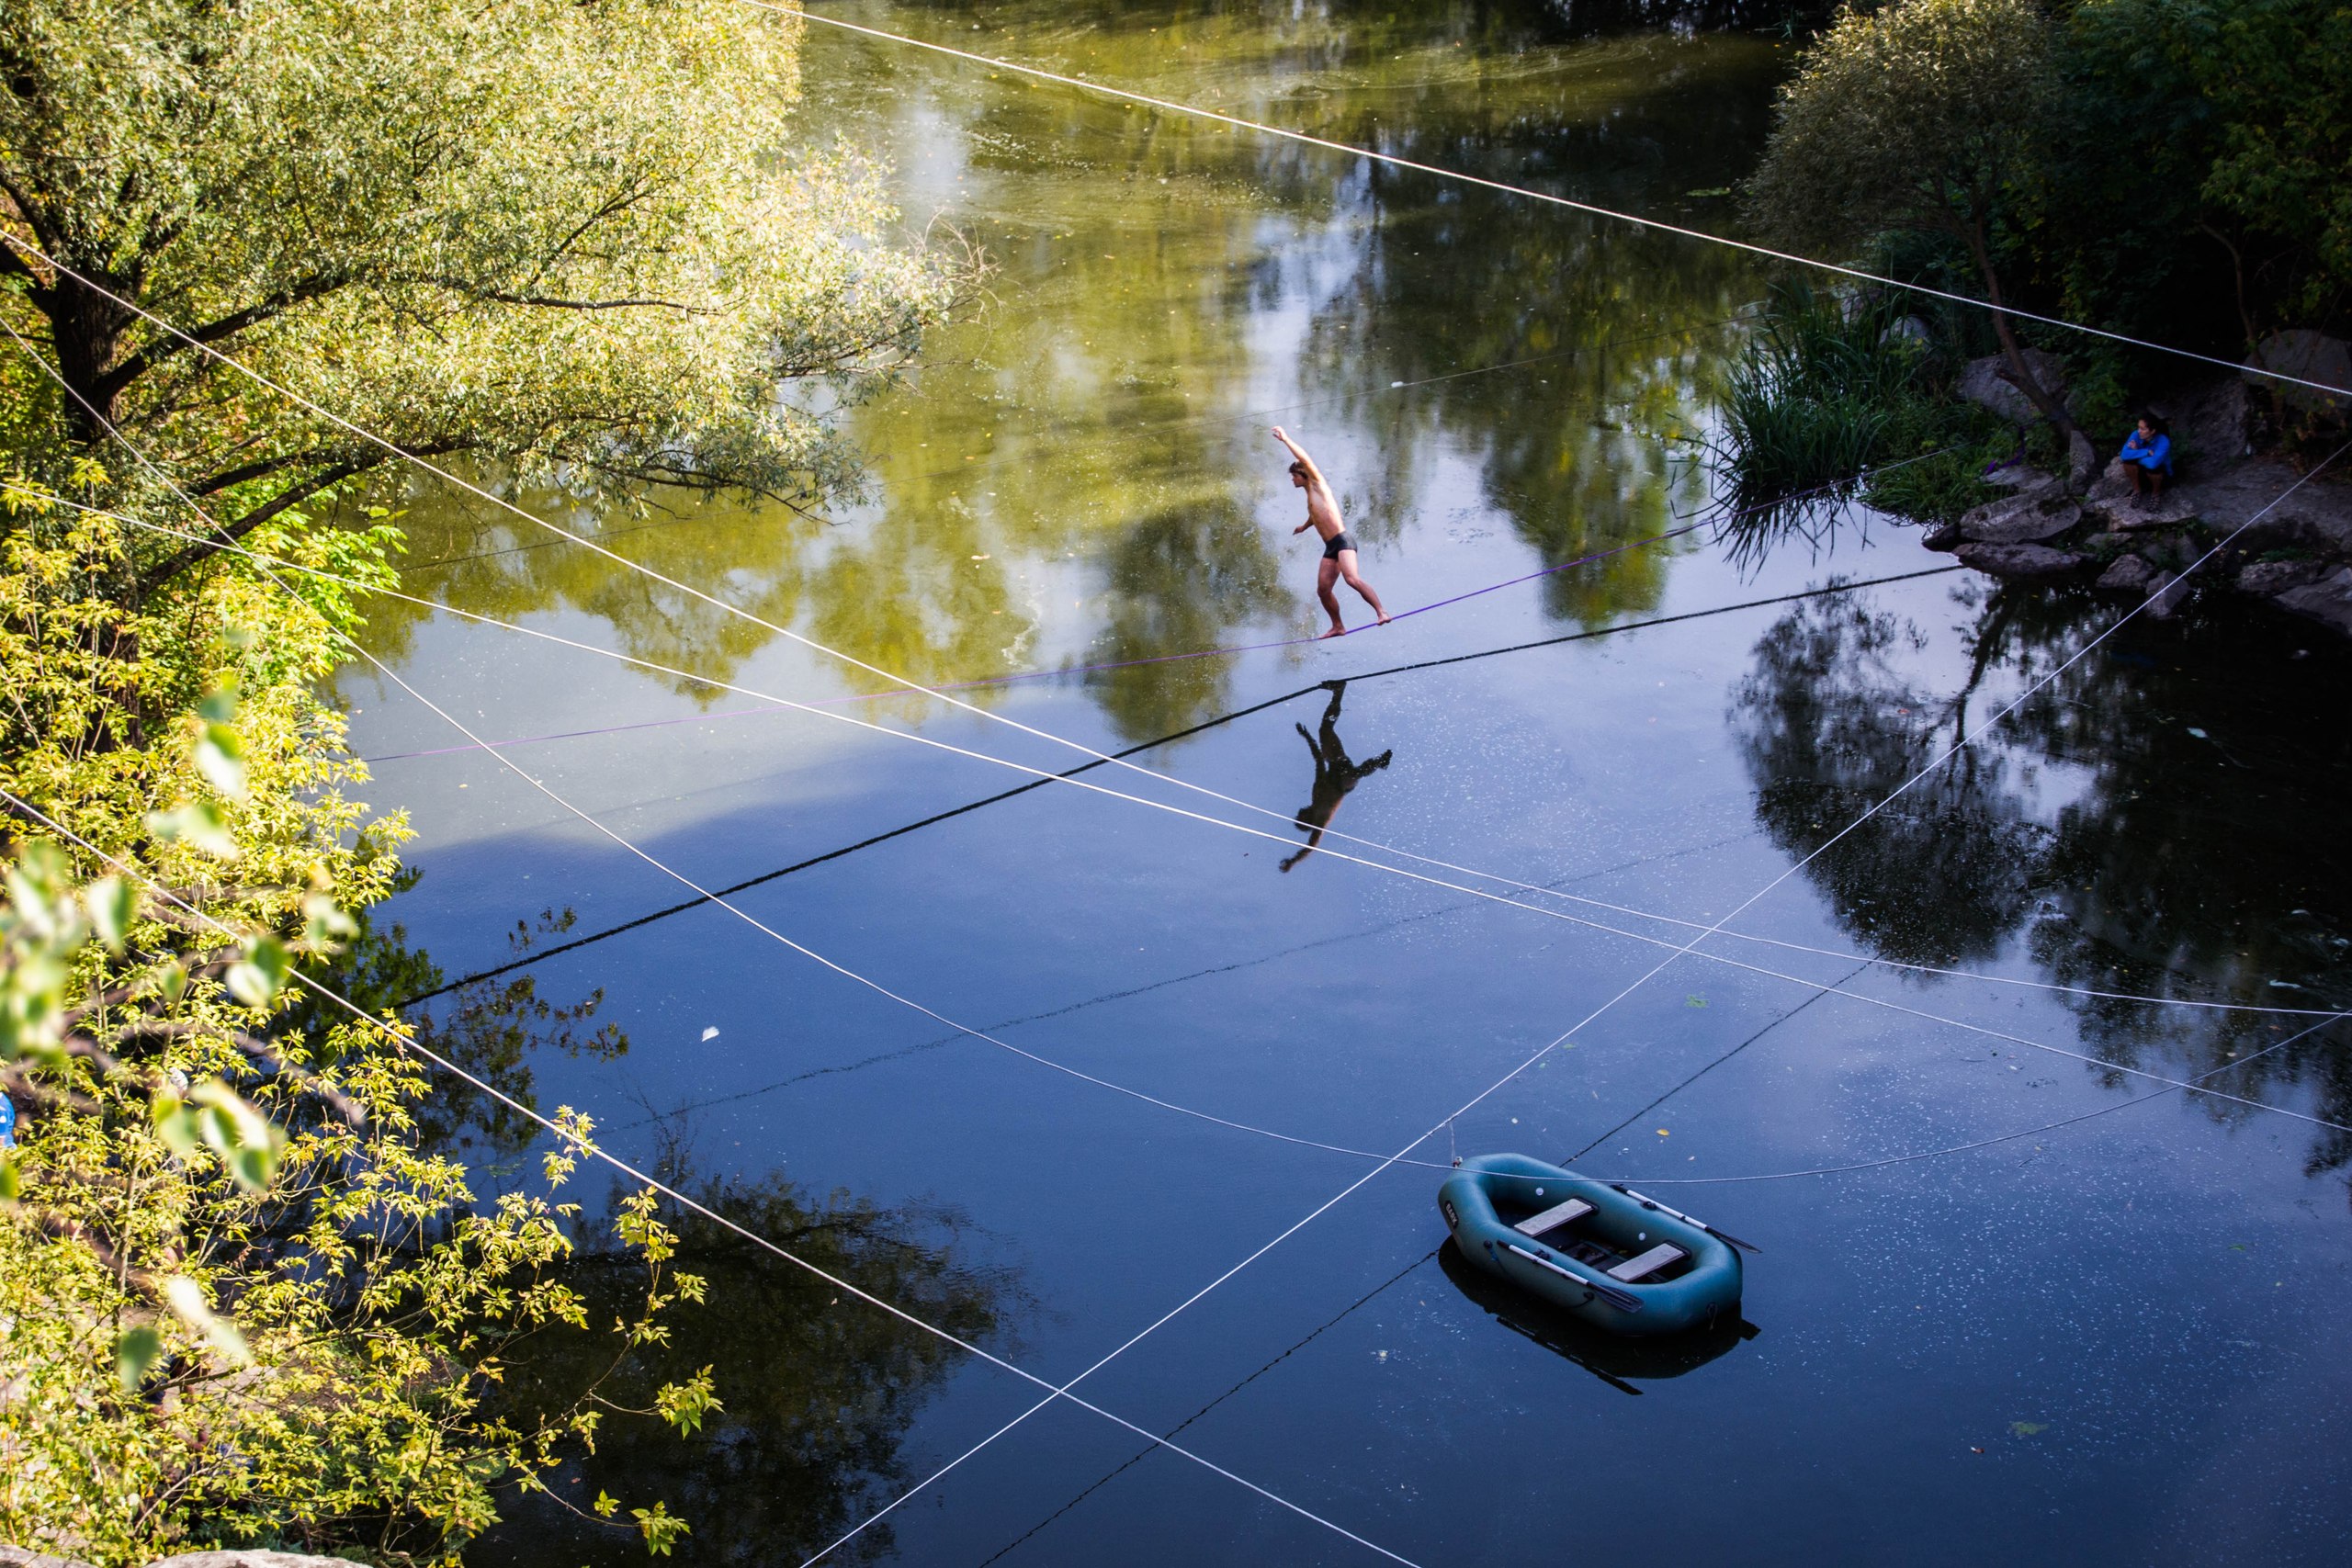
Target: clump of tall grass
{"points": [[1832, 387]]}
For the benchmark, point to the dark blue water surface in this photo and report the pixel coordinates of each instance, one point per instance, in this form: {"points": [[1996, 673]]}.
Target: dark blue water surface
{"points": [[2117, 1341]]}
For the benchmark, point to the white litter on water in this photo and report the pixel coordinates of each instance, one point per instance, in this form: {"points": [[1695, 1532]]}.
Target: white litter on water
{"points": [[711, 1033]]}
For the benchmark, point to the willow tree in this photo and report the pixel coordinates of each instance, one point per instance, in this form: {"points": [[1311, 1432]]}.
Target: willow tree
{"points": [[1922, 117], [571, 238]]}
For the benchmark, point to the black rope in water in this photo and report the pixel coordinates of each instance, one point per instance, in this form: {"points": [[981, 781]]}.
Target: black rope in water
{"points": [[681, 907]]}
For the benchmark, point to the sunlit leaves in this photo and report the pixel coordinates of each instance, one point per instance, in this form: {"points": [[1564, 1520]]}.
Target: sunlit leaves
{"points": [[256, 978], [216, 1117]]}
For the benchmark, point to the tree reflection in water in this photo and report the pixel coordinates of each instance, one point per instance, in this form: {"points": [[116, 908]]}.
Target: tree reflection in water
{"points": [[817, 1388], [1080, 474], [2164, 818]]}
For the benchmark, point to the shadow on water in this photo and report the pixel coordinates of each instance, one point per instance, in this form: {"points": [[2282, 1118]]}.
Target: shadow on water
{"points": [[2165, 817], [1618, 1362]]}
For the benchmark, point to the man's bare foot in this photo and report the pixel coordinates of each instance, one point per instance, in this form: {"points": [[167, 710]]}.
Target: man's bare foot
{"points": [[1337, 630], [1383, 617]]}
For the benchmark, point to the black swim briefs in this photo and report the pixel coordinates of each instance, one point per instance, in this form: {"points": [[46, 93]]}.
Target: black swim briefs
{"points": [[1339, 541]]}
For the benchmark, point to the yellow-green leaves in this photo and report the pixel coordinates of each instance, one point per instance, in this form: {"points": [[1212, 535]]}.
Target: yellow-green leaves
{"points": [[256, 979], [200, 823], [215, 1116], [135, 1353]]}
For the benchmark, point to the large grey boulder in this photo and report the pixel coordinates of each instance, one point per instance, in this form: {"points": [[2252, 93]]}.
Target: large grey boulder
{"points": [[2020, 562], [2129, 574], [19, 1557], [2328, 601], [249, 1559], [2211, 420], [2269, 579], [2311, 356], [2024, 519], [1981, 381], [2127, 512]]}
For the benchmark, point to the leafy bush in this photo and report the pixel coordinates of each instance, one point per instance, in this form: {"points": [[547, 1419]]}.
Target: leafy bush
{"points": [[1834, 384], [240, 1300]]}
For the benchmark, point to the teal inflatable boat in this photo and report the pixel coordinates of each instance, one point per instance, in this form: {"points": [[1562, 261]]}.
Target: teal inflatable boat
{"points": [[1622, 1363], [1605, 1255]]}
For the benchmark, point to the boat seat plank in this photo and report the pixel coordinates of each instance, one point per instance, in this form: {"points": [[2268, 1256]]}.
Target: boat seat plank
{"points": [[1648, 1263], [1553, 1218]]}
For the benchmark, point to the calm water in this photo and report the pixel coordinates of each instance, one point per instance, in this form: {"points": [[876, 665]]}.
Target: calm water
{"points": [[2116, 1341]]}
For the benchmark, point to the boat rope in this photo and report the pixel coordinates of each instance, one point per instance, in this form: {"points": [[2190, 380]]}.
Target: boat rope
{"points": [[1041, 776], [1703, 1072], [1615, 215], [1296, 1346], [1586, 1021], [1689, 523], [2195, 1085], [587, 1147]]}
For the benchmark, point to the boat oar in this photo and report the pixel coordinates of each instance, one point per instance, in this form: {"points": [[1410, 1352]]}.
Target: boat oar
{"points": [[1623, 1300], [1719, 1235]]}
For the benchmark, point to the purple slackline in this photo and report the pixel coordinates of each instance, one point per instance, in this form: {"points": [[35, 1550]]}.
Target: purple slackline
{"points": [[1121, 663]]}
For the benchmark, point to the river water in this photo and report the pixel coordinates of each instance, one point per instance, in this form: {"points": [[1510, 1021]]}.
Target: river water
{"points": [[2115, 1340]]}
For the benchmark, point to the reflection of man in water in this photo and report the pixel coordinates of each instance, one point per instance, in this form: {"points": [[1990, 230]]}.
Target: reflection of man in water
{"points": [[1334, 775], [1338, 545]]}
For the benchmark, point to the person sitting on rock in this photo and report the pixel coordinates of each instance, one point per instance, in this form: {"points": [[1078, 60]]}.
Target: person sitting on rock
{"points": [[2147, 456]]}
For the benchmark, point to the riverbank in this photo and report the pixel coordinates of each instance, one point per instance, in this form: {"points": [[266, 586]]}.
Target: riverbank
{"points": [[2295, 552]]}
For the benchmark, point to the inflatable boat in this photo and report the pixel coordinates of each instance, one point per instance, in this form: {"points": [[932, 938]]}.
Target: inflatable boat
{"points": [[1620, 1362], [1605, 1255]]}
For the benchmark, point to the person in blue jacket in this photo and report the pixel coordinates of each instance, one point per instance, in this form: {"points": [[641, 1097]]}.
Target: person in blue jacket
{"points": [[2147, 456]]}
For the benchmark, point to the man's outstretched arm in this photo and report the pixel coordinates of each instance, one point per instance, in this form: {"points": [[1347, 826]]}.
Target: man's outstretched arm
{"points": [[1314, 474]]}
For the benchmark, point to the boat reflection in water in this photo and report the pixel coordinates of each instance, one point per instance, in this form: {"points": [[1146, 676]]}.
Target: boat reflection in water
{"points": [[1615, 1360]]}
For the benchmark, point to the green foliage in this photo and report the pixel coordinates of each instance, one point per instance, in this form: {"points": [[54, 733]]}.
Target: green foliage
{"points": [[2199, 192], [1832, 385], [1920, 115], [242, 1299], [577, 240]]}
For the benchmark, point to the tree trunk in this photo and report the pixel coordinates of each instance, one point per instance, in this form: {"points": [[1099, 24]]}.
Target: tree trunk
{"points": [[2017, 373], [85, 333]]}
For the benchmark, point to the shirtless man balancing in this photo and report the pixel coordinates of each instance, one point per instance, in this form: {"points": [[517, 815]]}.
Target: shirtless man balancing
{"points": [[1338, 550]]}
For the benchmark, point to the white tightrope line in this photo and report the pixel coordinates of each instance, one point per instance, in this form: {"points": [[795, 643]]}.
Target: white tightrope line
{"points": [[1042, 775], [594, 1152], [1662, 964], [1659, 225], [913, 688], [459, 726]]}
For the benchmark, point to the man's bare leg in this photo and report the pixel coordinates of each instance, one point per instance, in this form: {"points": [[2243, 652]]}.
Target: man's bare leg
{"points": [[1347, 569], [1325, 576]]}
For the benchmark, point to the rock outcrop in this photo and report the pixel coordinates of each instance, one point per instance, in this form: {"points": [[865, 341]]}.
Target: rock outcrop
{"points": [[1981, 381], [2020, 562], [2294, 549], [2026, 518], [2308, 356]]}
